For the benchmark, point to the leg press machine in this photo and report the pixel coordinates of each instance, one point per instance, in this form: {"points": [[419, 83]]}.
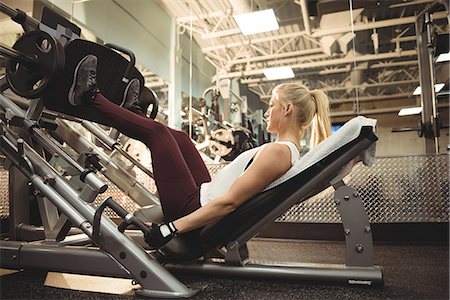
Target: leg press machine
{"points": [[54, 166]]}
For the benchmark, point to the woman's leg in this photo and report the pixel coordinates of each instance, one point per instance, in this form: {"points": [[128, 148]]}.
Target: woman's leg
{"points": [[177, 188], [191, 155]]}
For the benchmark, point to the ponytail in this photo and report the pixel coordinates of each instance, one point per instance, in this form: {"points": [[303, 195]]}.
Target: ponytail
{"points": [[312, 110], [321, 124]]}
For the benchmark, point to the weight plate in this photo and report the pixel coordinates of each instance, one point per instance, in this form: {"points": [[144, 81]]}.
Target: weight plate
{"points": [[242, 142], [221, 142], [30, 79], [218, 149]]}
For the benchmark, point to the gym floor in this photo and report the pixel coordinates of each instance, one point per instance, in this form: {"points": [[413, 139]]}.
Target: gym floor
{"points": [[412, 271]]}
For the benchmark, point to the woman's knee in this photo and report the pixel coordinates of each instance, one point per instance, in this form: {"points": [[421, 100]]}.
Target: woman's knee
{"points": [[180, 136]]}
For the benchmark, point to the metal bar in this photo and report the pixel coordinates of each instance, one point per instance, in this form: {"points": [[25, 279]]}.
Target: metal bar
{"points": [[374, 25], [324, 32], [100, 133], [9, 53], [77, 260], [330, 62], [308, 272], [134, 161], [188, 19], [277, 56], [20, 17], [81, 260], [114, 172], [430, 8], [253, 41], [11, 12], [426, 71], [377, 111], [154, 279], [378, 84], [30, 125], [305, 15], [19, 210], [50, 146]]}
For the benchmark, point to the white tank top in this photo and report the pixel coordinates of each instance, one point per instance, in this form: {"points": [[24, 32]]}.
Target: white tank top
{"points": [[222, 181]]}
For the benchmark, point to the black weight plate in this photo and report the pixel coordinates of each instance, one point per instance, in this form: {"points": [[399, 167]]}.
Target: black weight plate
{"points": [[31, 79]]}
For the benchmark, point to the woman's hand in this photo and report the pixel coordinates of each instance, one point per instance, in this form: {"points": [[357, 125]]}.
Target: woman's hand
{"points": [[159, 234]]}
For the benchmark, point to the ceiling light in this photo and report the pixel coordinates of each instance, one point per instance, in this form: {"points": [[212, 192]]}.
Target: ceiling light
{"points": [[443, 57], [437, 88], [256, 22], [410, 111], [278, 73]]}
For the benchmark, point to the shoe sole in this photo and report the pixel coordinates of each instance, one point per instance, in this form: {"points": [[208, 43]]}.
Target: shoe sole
{"points": [[70, 97], [125, 93], [124, 99]]}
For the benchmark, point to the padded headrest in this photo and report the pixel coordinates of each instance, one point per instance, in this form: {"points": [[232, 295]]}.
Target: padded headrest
{"points": [[111, 68], [347, 133]]}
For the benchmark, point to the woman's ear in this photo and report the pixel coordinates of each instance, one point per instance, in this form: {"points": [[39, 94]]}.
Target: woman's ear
{"points": [[289, 108]]}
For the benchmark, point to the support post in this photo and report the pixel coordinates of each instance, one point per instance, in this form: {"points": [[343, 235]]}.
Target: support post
{"points": [[175, 100], [19, 204], [358, 234], [425, 48], [237, 255]]}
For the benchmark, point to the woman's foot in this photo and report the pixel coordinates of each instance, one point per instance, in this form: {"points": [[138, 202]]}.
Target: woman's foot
{"points": [[84, 86], [131, 95], [137, 98]]}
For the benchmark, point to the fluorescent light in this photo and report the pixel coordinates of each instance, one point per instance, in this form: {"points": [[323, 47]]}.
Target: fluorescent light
{"points": [[256, 22], [443, 57], [417, 91], [437, 88], [410, 111], [278, 73]]}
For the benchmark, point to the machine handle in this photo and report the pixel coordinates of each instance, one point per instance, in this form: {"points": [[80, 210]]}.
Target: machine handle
{"points": [[126, 76], [128, 218]]}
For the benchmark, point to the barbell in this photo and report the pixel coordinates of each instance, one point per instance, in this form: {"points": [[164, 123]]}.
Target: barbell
{"points": [[33, 61]]}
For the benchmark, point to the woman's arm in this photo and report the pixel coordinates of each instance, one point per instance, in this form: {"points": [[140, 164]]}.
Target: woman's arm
{"points": [[271, 162]]}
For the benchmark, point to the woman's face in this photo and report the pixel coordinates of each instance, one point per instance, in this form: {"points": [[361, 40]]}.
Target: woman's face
{"points": [[273, 115]]}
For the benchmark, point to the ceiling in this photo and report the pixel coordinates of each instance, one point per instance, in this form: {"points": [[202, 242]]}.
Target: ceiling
{"points": [[365, 59]]}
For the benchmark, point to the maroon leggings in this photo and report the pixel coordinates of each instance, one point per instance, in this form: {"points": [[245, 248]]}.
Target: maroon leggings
{"points": [[178, 167]]}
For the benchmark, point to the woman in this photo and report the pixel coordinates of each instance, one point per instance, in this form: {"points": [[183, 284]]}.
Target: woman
{"points": [[189, 198]]}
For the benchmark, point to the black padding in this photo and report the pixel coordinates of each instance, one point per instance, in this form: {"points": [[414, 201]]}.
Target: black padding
{"points": [[185, 247], [111, 69], [244, 217]]}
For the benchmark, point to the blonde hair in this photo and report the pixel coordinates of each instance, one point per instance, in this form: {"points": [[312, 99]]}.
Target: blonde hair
{"points": [[312, 109]]}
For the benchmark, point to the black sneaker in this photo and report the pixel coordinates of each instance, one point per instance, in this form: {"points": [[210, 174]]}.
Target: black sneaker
{"points": [[84, 84], [131, 95]]}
